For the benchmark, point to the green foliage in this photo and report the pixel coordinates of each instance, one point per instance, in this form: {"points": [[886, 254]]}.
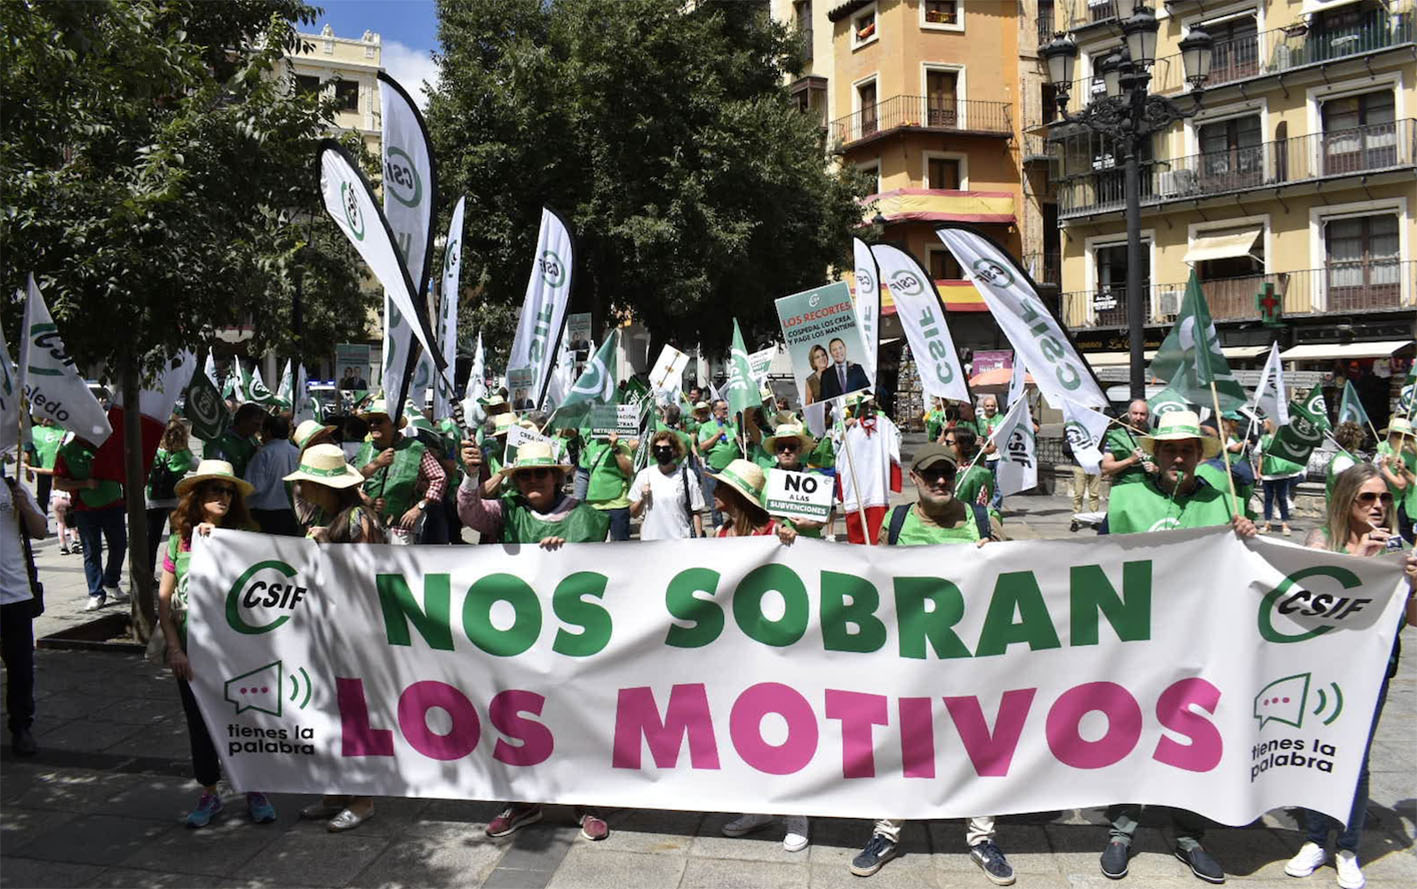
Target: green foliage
{"points": [[160, 177], [664, 132]]}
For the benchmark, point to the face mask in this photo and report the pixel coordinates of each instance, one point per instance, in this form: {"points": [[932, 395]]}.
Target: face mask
{"points": [[664, 456]]}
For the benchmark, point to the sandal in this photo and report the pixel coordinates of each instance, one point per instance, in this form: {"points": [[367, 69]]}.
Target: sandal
{"points": [[348, 819]]}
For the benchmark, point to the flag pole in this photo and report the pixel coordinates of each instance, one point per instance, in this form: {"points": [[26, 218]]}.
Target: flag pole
{"points": [[855, 485], [1224, 452]]}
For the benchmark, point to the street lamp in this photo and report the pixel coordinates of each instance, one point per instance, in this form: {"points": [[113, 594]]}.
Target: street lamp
{"points": [[1128, 116]]}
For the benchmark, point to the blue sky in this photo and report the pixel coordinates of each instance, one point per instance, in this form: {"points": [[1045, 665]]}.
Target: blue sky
{"points": [[408, 29]]}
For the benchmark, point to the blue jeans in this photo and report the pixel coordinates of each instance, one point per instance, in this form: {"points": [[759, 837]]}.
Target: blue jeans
{"points": [[619, 523], [96, 526], [1277, 487], [1317, 825], [997, 500], [710, 485]]}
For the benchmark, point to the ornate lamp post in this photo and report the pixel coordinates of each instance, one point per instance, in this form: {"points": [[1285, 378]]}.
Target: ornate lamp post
{"points": [[1129, 116]]}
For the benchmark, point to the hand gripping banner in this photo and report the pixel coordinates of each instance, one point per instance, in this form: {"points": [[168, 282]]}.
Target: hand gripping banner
{"points": [[816, 679]]}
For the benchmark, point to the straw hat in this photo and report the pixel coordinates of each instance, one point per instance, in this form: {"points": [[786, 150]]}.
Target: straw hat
{"points": [[1177, 426], [324, 464], [745, 477], [790, 430], [537, 455], [306, 432], [379, 406], [1398, 426], [701, 406], [213, 469], [502, 422]]}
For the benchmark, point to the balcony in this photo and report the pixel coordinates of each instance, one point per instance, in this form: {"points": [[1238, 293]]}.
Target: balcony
{"points": [[925, 113], [1371, 286], [1044, 268], [1046, 22], [1286, 49], [1363, 150]]}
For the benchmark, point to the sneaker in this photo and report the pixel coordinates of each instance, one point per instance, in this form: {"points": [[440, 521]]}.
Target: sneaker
{"points": [[594, 828], [1350, 875], [991, 860], [879, 849], [1309, 858], [94, 603], [116, 593], [1202, 864], [514, 818], [746, 824], [63, 549], [260, 808], [796, 838], [207, 808], [1114, 860]]}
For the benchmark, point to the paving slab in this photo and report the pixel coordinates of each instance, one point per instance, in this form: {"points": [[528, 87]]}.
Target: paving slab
{"points": [[432, 855], [316, 858], [587, 867], [31, 872], [713, 873], [94, 839]]}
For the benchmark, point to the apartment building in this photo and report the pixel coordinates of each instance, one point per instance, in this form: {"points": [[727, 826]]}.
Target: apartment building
{"points": [[346, 68], [1295, 181]]}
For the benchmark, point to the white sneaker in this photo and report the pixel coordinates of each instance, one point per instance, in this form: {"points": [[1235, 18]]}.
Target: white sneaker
{"points": [[1350, 875], [796, 839], [116, 593], [746, 824], [1310, 857], [94, 603]]}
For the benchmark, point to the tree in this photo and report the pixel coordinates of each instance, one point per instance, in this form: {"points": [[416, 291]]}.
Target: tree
{"points": [[664, 132], [161, 184]]}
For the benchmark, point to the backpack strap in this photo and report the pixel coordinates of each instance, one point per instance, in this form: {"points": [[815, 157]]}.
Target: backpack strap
{"points": [[981, 520], [898, 516], [688, 504]]}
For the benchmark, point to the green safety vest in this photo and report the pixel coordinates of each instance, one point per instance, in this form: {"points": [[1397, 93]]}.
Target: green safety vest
{"points": [[79, 459], [985, 426], [397, 482], [237, 451], [46, 445], [607, 482], [1120, 444], [180, 462], [914, 532], [1331, 473], [977, 479], [723, 453], [1276, 465], [584, 524], [823, 456], [761, 457], [1215, 477], [1409, 497], [934, 422], [1138, 508]]}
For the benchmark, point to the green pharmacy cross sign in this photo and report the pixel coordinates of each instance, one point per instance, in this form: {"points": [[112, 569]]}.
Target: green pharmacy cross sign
{"points": [[1270, 306]]}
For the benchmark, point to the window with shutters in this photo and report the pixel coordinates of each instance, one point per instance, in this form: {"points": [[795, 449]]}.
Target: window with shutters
{"points": [[1360, 133], [943, 266], [347, 95], [942, 173], [942, 97], [1362, 262], [1232, 155]]}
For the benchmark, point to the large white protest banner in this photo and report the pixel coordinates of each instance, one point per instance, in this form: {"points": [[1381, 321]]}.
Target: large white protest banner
{"points": [[443, 394], [1036, 335], [922, 314], [544, 308], [815, 679], [49, 378]]}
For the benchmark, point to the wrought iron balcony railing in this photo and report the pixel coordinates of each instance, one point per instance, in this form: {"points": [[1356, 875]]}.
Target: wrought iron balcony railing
{"points": [[923, 112]]}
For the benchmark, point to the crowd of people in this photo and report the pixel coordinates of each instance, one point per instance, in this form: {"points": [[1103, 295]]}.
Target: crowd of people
{"points": [[382, 475]]}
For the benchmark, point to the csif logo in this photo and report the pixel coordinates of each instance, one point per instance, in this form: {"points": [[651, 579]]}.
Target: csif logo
{"points": [[1077, 435], [401, 177], [993, 273], [45, 336], [263, 598], [907, 282], [1311, 612], [450, 258], [865, 284], [352, 214], [553, 272]]}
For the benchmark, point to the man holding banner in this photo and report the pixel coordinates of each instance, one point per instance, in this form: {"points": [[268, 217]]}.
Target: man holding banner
{"points": [[1174, 498]]}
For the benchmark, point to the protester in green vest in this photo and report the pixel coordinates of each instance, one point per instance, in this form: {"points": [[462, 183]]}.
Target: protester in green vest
{"points": [[238, 444], [1397, 459], [718, 446], [540, 512], [975, 483], [172, 461], [1349, 437], [1122, 460], [936, 419], [937, 516], [211, 497], [1360, 521], [96, 505], [1176, 497], [790, 444], [47, 438], [610, 463], [1277, 476], [401, 475]]}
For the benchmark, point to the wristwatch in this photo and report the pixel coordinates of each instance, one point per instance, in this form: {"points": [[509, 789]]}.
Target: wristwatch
{"points": [[423, 505]]}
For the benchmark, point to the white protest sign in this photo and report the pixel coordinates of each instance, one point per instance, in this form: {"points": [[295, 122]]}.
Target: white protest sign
{"points": [[812, 679], [668, 372], [798, 495], [621, 419]]}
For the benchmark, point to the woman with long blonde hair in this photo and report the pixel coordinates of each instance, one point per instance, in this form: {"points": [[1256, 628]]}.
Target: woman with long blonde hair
{"points": [[1361, 520]]}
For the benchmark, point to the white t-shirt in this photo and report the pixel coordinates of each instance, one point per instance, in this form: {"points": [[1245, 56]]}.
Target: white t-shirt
{"points": [[665, 517], [872, 456], [14, 576]]}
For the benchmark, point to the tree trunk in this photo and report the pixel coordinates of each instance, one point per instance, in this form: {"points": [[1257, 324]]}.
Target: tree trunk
{"points": [[144, 596]]}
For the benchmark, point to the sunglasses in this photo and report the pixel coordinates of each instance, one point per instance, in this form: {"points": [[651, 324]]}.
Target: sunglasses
{"points": [[931, 476], [540, 473], [789, 446], [1368, 498]]}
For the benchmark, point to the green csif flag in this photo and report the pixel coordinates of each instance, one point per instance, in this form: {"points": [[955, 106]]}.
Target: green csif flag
{"points": [[597, 384], [740, 391], [1168, 400], [1407, 398], [1190, 359], [1308, 421], [1350, 409], [205, 408]]}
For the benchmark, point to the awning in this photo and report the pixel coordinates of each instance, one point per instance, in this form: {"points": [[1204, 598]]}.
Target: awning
{"points": [[1313, 6], [940, 205], [1224, 244], [1118, 359], [1320, 351]]}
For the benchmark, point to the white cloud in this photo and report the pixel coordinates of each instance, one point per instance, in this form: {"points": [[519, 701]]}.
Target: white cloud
{"points": [[410, 67]]}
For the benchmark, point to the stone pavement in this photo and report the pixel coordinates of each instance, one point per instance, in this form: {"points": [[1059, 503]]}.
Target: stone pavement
{"points": [[102, 803]]}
